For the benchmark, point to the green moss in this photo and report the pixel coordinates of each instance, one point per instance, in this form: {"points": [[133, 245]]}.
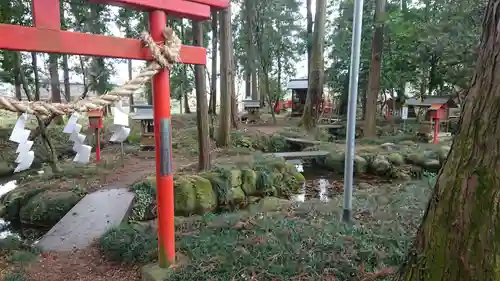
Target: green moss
{"points": [[396, 159], [264, 182], [236, 196], [335, 161], [299, 177], [249, 179], [416, 159], [15, 199], [360, 165], [206, 200], [47, 208], [235, 178], [184, 196]]}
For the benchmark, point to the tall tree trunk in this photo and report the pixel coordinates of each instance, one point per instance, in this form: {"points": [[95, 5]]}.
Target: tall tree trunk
{"points": [[213, 83], [34, 65], [459, 238], [17, 82], [370, 117], [201, 104], [130, 76], [55, 84], [224, 137], [234, 100], [67, 85], [309, 35], [248, 83], [316, 77], [252, 54]]}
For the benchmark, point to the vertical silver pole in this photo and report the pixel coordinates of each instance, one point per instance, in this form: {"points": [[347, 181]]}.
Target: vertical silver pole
{"points": [[351, 110]]}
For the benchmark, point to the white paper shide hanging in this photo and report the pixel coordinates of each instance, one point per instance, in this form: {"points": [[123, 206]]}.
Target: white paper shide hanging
{"points": [[20, 135], [73, 129]]}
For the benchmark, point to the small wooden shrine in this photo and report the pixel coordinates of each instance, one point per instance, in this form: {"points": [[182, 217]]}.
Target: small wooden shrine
{"points": [[299, 96], [437, 113], [144, 115]]}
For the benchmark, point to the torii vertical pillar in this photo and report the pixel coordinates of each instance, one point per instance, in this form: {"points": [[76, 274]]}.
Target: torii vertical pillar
{"points": [[162, 127]]}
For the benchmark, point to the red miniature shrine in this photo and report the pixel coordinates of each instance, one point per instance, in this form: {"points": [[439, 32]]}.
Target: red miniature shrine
{"points": [[47, 37]]}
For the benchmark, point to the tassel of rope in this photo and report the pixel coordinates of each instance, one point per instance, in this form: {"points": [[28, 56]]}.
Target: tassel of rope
{"points": [[164, 57]]}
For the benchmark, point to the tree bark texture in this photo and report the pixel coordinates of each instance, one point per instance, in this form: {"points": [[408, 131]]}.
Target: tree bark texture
{"points": [[213, 82], [130, 76], [370, 114], [234, 99], [67, 85], [201, 104], [317, 73], [459, 238], [224, 137], [55, 86], [252, 54], [309, 35], [34, 65]]}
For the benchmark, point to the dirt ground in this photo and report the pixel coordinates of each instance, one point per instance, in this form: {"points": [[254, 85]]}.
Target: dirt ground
{"points": [[81, 265]]}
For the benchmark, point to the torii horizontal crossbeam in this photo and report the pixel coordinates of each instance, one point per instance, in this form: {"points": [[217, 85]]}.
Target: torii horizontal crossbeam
{"points": [[31, 39]]}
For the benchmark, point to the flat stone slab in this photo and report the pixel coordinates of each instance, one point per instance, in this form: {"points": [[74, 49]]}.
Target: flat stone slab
{"points": [[331, 126], [305, 141], [95, 214], [300, 154]]}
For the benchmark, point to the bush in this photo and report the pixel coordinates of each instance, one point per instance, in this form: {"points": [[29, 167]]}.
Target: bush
{"points": [[130, 243]]}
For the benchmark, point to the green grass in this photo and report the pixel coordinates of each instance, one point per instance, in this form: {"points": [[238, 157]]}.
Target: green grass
{"points": [[288, 241]]}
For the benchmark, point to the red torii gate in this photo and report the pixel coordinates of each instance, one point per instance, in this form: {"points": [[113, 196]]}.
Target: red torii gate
{"points": [[46, 36]]}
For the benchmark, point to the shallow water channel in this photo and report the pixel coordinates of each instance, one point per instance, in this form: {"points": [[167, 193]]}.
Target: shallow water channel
{"points": [[319, 184]]}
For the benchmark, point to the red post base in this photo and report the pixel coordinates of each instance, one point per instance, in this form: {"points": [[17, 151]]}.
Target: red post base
{"points": [[436, 130], [98, 146]]}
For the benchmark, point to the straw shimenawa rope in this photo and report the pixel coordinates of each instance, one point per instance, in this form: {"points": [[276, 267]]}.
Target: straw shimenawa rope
{"points": [[164, 56]]}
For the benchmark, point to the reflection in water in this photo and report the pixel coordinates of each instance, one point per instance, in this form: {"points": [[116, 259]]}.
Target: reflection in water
{"points": [[323, 187], [8, 186], [320, 184], [4, 188]]}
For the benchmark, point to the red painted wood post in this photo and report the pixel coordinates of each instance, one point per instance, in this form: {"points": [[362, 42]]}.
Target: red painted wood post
{"points": [[436, 130], [98, 145], [163, 141]]}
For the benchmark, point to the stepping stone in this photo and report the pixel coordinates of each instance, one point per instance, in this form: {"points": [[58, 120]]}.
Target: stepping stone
{"points": [[88, 220], [299, 154]]}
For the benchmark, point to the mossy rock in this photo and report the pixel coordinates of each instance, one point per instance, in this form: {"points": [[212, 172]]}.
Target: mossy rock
{"points": [[299, 177], [360, 165], [236, 178], [226, 195], [396, 159], [335, 162], [432, 165], [416, 159], [184, 196], [15, 199], [265, 182], [206, 200], [236, 196], [47, 208], [249, 182], [381, 166], [443, 153]]}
